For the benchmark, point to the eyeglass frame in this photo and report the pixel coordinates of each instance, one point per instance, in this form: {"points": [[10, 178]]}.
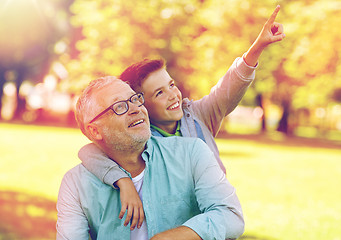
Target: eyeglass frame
{"points": [[123, 101]]}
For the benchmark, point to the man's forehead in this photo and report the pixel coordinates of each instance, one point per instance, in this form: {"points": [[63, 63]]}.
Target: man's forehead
{"points": [[116, 91]]}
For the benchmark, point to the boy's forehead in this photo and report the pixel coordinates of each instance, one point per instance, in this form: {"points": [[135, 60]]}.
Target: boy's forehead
{"points": [[156, 80]]}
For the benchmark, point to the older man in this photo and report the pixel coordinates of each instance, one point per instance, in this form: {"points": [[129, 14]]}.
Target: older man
{"points": [[184, 192]]}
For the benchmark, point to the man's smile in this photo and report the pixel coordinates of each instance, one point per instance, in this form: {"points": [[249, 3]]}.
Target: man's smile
{"points": [[135, 123]]}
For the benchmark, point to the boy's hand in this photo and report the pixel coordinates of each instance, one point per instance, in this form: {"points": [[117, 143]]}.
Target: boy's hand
{"points": [[131, 202], [270, 33]]}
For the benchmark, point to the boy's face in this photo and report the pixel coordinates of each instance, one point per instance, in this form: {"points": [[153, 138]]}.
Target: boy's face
{"points": [[163, 99]]}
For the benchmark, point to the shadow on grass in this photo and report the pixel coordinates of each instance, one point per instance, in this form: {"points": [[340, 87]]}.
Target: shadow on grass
{"points": [[24, 216], [281, 139]]}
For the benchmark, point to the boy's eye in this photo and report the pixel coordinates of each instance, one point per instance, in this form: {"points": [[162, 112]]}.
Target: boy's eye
{"points": [[158, 93], [172, 85]]}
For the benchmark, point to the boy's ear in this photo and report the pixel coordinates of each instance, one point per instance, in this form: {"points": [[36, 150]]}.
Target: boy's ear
{"points": [[93, 131]]}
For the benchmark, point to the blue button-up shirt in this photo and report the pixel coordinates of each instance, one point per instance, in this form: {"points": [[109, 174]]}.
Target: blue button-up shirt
{"points": [[183, 185]]}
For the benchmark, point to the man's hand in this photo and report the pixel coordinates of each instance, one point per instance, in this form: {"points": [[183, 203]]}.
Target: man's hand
{"points": [[179, 233], [271, 32], [131, 202]]}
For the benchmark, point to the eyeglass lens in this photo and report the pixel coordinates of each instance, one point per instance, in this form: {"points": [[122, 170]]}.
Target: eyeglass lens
{"points": [[122, 107]]}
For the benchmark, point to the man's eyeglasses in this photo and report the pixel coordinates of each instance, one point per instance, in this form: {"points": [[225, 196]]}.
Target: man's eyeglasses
{"points": [[122, 107]]}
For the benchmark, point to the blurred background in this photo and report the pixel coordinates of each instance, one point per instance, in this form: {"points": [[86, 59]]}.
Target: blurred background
{"points": [[51, 49]]}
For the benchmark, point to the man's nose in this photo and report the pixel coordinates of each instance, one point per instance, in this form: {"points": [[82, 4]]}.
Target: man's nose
{"points": [[133, 108]]}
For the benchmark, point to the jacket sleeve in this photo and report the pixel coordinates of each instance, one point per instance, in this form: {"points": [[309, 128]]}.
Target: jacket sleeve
{"points": [[225, 95], [99, 164], [72, 223], [221, 213]]}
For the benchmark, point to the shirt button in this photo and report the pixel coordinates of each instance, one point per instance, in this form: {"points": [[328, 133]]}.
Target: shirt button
{"points": [[188, 115]]}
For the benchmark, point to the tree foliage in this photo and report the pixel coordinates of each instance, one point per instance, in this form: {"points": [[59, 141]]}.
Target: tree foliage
{"points": [[200, 39]]}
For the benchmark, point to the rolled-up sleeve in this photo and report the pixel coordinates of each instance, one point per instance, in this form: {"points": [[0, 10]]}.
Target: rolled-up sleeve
{"points": [[72, 222], [221, 216]]}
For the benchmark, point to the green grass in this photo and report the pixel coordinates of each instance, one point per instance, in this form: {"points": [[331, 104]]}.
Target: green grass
{"points": [[287, 190], [34, 159]]}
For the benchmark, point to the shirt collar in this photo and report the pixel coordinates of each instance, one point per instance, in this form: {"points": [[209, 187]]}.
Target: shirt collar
{"points": [[148, 150], [166, 134]]}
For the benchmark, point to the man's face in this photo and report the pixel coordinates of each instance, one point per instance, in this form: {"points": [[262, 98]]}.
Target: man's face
{"points": [[122, 131], [162, 98]]}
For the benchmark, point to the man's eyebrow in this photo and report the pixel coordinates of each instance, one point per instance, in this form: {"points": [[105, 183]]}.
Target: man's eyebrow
{"points": [[119, 98]]}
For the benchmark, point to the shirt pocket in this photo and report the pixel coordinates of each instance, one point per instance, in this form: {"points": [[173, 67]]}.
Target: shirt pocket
{"points": [[177, 209]]}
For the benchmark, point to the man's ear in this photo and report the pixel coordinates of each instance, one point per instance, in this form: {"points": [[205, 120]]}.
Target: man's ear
{"points": [[93, 131]]}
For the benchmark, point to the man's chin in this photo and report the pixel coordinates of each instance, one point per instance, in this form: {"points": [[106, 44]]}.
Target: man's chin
{"points": [[144, 136]]}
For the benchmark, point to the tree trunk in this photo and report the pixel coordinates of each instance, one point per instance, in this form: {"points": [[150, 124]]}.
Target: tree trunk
{"points": [[283, 125], [21, 102], [2, 83], [259, 100]]}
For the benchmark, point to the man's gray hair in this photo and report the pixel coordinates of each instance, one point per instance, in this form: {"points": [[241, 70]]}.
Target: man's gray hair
{"points": [[86, 105]]}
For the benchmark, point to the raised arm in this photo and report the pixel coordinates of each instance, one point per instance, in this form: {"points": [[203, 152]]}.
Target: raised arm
{"points": [[107, 170], [225, 96], [228, 92], [270, 33]]}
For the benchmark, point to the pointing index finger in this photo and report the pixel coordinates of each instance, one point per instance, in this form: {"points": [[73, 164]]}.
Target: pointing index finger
{"points": [[272, 18]]}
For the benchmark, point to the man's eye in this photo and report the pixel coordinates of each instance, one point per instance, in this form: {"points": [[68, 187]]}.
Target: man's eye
{"points": [[172, 85], [119, 107]]}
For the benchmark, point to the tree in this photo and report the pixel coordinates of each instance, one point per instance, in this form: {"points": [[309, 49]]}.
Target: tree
{"points": [[309, 72], [200, 39], [29, 29]]}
